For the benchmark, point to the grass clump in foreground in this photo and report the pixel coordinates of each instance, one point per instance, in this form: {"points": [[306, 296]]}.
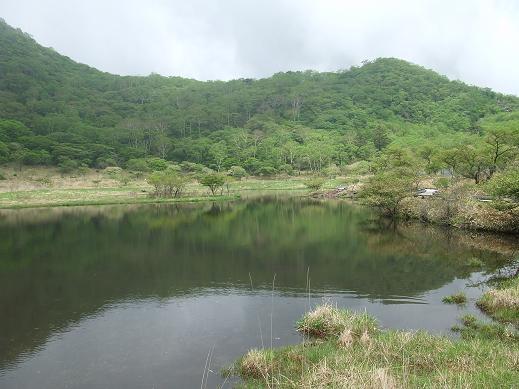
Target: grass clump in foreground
{"points": [[456, 298], [502, 303], [348, 350]]}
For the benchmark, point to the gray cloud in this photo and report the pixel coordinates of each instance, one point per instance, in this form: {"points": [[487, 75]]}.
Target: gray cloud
{"points": [[472, 40]]}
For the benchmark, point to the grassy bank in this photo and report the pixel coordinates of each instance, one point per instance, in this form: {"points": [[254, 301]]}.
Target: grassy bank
{"points": [[456, 205], [47, 187], [463, 211], [502, 303], [71, 198], [346, 349]]}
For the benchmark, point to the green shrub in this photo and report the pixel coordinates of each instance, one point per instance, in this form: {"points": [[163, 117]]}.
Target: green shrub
{"points": [[286, 169], [359, 168], [213, 181], [387, 190], [157, 164], [505, 184], [237, 172], [36, 157], [332, 171], [266, 170], [191, 167], [67, 165], [112, 172], [168, 183], [137, 165], [315, 183]]}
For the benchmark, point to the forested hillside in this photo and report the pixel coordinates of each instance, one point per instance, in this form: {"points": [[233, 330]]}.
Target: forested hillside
{"points": [[54, 111]]}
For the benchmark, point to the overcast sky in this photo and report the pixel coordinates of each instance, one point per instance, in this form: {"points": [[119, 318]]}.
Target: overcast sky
{"points": [[476, 41]]}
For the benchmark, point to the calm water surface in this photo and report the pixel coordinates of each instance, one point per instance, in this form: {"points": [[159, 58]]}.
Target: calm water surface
{"points": [[136, 296]]}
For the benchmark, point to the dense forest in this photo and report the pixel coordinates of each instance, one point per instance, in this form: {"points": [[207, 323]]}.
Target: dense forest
{"points": [[54, 111]]}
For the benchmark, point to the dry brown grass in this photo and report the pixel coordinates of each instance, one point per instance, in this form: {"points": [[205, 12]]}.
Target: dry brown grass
{"points": [[504, 298], [256, 363], [326, 375]]}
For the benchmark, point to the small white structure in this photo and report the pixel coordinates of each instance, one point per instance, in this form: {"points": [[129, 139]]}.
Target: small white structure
{"points": [[426, 192]]}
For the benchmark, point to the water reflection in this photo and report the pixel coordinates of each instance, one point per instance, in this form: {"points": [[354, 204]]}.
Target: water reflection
{"points": [[137, 294]]}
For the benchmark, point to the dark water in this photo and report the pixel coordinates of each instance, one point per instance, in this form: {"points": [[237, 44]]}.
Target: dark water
{"points": [[135, 297]]}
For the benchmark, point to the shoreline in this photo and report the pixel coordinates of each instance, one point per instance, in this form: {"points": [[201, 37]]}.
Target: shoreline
{"points": [[123, 201], [342, 348]]}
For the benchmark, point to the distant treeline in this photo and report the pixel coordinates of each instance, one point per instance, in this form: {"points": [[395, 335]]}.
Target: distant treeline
{"points": [[54, 111]]}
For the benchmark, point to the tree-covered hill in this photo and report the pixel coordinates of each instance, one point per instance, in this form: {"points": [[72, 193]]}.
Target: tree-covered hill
{"points": [[56, 111]]}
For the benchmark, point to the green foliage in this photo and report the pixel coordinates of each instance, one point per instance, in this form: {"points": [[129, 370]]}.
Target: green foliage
{"points": [[505, 184], [237, 172], [386, 190], [67, 165], [4, 152], [380, 138], [157, 164], [442, 183], [213, 181], [2, 177], [359, 168], [137, 165], [53, 110], [286, 169], [314, 183], [332, 171], [168, 183]]}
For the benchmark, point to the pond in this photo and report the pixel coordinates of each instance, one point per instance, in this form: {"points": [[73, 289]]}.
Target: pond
{"points": [[145, 296]]}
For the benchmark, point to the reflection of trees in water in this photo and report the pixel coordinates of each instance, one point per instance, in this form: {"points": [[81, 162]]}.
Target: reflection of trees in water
{"points": [[56, 269], [503, 244]]}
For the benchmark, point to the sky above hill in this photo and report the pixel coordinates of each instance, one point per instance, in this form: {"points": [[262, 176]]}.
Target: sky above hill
{"points": [[475, 41]]}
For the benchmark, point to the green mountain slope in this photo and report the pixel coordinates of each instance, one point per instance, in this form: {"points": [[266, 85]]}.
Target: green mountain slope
{"points": [[57, 111]]}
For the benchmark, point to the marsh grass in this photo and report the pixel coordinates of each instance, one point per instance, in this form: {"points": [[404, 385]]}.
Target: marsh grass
{"points": [[502, 303], [472, 328], [327, 321], [457, 298], [348, 350]]}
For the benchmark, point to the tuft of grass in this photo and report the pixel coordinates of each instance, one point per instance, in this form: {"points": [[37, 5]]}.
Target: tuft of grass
{"points": [[328, 321], [456, 298], [502, 303], [257, 364], [351, 352]]}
